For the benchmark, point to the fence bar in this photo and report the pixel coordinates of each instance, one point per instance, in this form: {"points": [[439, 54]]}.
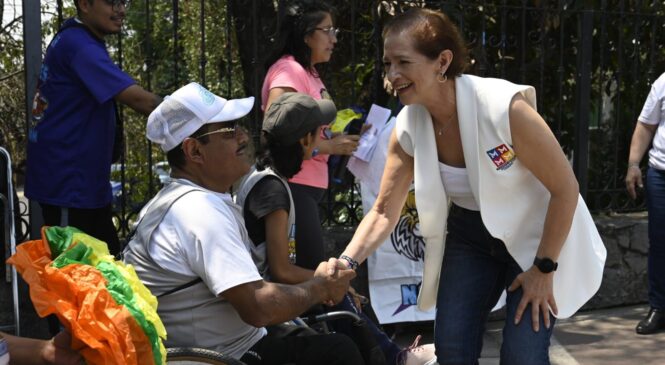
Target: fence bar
{"points": [[59, 10], [148, 74], [176, 15], [581, 157], [203, 44]]}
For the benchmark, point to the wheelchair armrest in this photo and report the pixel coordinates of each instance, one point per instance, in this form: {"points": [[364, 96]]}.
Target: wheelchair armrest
{"points": [[193, 355], [316, 318]]}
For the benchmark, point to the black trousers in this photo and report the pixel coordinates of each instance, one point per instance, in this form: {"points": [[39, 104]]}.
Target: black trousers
{"points": [[309, 235], [323, 349], [96, 222]]}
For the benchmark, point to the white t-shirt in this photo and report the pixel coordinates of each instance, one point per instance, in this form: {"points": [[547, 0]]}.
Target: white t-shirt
{"points": [[185, 243], [203, 235], [653, 113]]}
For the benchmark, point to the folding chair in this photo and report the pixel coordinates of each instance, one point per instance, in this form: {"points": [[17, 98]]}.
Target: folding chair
{"points": [[9, 239]]}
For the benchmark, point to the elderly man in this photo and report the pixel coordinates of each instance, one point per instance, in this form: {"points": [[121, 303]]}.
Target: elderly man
{"points": [[191, 248]]}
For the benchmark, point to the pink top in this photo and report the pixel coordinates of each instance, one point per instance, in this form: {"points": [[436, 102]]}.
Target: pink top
{"points": [[287, 72]]}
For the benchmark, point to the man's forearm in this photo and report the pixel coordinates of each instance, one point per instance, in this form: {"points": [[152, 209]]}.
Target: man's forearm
{"points": [[285, 302], [640, 141], [139, 99], [24, 350]]}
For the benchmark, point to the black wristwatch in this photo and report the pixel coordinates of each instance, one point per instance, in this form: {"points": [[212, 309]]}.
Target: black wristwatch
{"points": [[545, 265]]}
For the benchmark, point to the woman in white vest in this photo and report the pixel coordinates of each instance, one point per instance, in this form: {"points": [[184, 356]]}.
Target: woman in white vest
{"points": [[497, 200]]}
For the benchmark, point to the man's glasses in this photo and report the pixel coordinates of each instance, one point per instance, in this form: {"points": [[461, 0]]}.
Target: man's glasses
{"points": [[116, 3], [227, 132], [331, 31]]}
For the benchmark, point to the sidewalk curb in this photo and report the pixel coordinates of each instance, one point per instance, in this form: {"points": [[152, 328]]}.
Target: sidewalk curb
{"points": [[559, 355]]}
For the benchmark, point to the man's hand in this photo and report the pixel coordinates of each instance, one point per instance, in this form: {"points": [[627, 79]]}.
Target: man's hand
{"points": [[334, 264], [139, 99], [537, 291], [57, 351], [336, 284], [633, 179]]}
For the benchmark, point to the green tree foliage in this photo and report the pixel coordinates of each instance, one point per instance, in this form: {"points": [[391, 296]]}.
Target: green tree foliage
{"points": [[12, 134], [223, 44]]}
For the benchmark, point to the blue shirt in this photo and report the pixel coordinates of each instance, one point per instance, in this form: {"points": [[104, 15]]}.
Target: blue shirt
{"points": [[70, 139]]}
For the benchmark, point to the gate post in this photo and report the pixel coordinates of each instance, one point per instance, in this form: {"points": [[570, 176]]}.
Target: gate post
{"points": [[32, 60]]}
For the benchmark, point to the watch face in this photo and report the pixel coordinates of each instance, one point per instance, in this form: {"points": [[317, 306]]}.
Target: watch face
{"points": [[545, 265]]}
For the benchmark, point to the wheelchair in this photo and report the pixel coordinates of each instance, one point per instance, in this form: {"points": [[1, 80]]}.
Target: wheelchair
{"points": [[196, 356], [7, 196]]}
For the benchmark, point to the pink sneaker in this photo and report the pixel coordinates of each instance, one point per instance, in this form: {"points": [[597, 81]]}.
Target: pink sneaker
{"points": [[417, 355]]}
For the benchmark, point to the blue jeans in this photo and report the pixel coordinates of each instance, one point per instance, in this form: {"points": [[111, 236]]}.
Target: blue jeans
{"points": [[655, 189], [476, 269], [388, 347]]}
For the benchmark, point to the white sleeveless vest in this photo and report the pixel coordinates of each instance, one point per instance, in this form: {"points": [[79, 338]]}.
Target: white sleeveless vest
{"points": [[244, 187], [513, 203]]}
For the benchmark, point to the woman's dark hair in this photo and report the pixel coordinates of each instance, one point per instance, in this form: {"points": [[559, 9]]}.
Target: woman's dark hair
{"points": [[176, 156], [285, 160], [296, 20], [432, 32]]}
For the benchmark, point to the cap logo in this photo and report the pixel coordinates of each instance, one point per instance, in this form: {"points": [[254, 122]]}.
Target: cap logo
{"points": [[206, 96]]}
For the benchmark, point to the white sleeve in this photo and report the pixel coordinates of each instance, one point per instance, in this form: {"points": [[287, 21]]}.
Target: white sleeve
{"points": [[652, 110], [211, 242]]}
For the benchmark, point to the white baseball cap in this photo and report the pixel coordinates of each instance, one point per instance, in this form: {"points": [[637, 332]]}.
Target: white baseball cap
{"points": [[187, 109]]}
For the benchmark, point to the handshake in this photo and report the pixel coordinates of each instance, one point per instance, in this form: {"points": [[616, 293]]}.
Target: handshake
{"points": [[333, 277]]}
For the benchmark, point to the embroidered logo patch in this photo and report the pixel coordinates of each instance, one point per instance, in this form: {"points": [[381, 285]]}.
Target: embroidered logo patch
{"points": [[409, 296], [502, 156], [206, 96]]}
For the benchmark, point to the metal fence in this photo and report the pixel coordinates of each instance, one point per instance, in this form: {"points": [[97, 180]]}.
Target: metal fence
{"points": [[591, 63]]}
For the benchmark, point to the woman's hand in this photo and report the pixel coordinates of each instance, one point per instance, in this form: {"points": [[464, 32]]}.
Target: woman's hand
{"points": [[358, 300], [331, 270], [537, 290], [344, 144]]}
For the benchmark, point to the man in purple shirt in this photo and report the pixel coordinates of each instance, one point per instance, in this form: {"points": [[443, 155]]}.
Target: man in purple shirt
{"points": [[73, 126]]}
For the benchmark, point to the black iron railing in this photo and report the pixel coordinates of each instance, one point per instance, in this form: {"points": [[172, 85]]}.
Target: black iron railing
{"points": [[591, 62]]}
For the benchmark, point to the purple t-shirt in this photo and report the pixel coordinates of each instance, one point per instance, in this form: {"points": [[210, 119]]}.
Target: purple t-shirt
{"points": [[72, 129]]}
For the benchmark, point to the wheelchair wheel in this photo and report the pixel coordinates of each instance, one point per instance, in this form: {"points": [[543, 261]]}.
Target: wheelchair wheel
{"points": [[196, 356]]}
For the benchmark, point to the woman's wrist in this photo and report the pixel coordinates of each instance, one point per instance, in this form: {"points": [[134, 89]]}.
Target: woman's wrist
{"points": [[350, 262], [634, 164]]}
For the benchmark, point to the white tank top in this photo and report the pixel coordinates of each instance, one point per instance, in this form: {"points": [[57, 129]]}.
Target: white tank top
{"points": [[456, 183]]}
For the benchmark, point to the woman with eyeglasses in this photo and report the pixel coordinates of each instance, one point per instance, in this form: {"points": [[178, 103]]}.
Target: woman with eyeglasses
{"points": [[306, 40]]}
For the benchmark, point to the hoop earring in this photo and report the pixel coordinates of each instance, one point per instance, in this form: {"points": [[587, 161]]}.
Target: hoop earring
{"points": [[442, 77]]}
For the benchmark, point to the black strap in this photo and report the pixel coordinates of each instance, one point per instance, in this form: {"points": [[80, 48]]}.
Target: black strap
{"points": [[181, 287], [119, 137]]}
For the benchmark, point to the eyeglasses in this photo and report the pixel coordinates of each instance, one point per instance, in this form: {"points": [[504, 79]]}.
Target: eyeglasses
{"points": [[227, 132], [331, 31], [116, 3]]}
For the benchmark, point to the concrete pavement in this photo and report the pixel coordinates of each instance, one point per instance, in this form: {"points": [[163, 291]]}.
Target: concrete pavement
{"points": [[599, 337]]}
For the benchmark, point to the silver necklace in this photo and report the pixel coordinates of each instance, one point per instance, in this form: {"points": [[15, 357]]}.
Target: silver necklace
{"points": [[445, 127]]}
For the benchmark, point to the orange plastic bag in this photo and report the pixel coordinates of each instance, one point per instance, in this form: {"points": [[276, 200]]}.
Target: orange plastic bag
{"points": [[104, 332]]}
